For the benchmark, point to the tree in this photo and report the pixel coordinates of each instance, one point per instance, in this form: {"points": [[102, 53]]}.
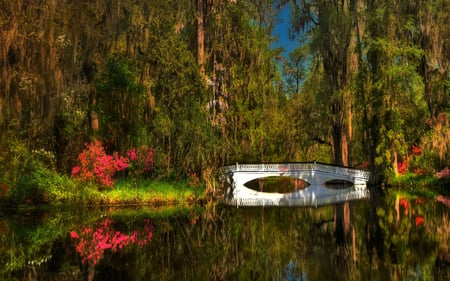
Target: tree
{"points": [[294, 68], [330, 25]]}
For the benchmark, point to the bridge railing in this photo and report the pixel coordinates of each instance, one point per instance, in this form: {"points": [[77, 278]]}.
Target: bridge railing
{"points": [[307, 166], [343, 171]]}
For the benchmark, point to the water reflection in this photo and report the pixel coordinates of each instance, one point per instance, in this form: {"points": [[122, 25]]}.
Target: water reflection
{"points": [[387, 238]]}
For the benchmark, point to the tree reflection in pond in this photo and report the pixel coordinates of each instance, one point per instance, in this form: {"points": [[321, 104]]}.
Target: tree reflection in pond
{"points": [[358, 240]]}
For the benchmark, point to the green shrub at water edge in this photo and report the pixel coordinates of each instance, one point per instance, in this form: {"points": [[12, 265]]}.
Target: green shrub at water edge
{"points": [[41, 185], [30, 177]]}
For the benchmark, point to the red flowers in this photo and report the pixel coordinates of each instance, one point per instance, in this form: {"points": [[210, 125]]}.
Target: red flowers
{"points": [[416, 150], [96, 165], [419, 220], [194, 180], [404, 203], [76, 171], [420, 201], [402, 167], [74, 235], [445, 173], [364, 165], [419, 171], [149, 160], [132, 154], [140, 161], [100, 167], [91, 244]]}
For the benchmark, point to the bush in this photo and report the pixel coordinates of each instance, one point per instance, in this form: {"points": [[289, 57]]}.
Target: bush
{"points": [[96, 165], [30, 176], [140, 161]]}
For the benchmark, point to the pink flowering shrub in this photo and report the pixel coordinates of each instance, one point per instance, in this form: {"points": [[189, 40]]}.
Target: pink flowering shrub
{"points": [[194, 180], [364, 165], [419, 220], [91, 244], [404, 203], [194, 215], [140, 161], [402, 167], [95, 165], [444, 174], [98, 166], [416, 150]]}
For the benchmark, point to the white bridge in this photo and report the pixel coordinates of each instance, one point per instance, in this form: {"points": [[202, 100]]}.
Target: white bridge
{"points": [[315, 174]]}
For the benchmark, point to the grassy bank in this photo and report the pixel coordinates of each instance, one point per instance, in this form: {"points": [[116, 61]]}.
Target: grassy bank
{"points": [[149, 191], [420, 185], [58, 190]]}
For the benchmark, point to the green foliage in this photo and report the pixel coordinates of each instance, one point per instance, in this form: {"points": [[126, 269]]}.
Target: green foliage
{"points": [[150, 191], [179, 125], [377, 76], [120, 99], [16, 160], [31, 176]]}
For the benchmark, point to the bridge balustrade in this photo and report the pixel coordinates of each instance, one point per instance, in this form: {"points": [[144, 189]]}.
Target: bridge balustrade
{"points": [[312, 166]]}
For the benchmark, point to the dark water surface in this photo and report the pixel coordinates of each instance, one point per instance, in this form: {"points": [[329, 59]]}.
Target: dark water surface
{"points": [[385, 238]]}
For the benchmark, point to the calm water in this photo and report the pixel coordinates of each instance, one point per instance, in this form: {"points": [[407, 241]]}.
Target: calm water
{"points": [[399, 239]]}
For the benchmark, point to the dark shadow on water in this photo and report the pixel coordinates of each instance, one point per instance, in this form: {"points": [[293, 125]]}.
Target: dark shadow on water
{"points": [[338, 184], [277, 184]]}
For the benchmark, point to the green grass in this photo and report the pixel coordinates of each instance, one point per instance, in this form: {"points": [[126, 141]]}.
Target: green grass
{"points": [[411, 179], [146, 211], [410, 184], [63, 191], [149, 191]]}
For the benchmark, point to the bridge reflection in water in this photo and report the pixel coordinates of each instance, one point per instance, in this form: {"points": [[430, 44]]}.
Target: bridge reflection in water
{"points": [[317, 193]]}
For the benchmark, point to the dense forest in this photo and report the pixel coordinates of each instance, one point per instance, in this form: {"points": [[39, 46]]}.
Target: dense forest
{"points": [[199, 84]]}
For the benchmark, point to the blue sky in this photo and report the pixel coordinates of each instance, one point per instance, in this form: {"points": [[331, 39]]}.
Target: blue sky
{"points": [[282, 31]]}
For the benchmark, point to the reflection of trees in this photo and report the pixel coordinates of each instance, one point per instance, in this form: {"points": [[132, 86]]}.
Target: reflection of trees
{"points": [[29, 242], [245, 243], [401, 239]]}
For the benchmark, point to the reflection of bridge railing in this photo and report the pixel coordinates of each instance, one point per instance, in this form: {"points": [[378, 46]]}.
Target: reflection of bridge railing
{"points": [[289, 167], [333, 198]]}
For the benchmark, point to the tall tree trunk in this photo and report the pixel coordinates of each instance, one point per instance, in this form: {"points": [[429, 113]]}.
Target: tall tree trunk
{"points": [[200, 35], [335, 26]]}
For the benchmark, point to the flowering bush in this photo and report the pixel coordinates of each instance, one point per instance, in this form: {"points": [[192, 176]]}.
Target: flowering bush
{"points": [[96, 165], [402, 167], [445, 173], [419, 171], [91, 244], [404, 203], [364, 165], [420, 201], [194, 180], [416, 150], [140, 161], [420, 220], [194, 215]]}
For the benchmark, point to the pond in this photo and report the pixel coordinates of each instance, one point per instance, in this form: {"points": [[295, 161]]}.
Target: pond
{"points": [[388, 237]]}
